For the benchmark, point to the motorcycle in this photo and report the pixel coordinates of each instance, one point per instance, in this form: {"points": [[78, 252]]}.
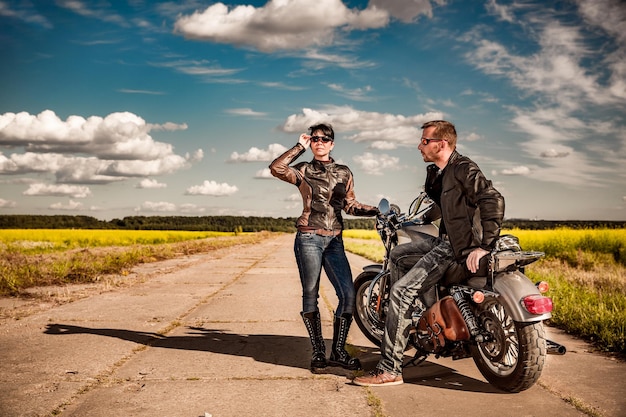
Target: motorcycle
{"points": [[496, 319]]}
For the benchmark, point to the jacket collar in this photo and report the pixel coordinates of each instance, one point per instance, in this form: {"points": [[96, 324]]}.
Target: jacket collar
{"points": [[320, 164]]}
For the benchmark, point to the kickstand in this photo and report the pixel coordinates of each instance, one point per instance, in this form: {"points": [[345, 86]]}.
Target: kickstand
{"points": [[415, 361]]}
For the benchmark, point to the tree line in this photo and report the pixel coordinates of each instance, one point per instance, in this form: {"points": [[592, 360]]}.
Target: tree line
{"points": [[242, 223], [190, 223]]}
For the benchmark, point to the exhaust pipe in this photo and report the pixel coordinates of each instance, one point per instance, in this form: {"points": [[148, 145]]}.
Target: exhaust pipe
{"points": [[555, 348]]}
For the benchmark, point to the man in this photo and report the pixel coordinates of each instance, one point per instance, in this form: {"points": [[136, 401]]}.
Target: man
{"points": [[471, 216]]}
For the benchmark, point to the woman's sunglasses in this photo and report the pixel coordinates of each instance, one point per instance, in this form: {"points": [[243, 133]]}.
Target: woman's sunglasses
{"points": [[324, 139]]}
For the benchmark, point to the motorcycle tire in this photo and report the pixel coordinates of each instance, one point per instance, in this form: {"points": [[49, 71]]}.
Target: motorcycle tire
{"points": [[513, 360], [369, 322]]}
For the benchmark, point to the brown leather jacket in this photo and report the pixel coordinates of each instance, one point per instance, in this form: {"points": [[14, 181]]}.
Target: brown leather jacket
{"points": [[326, 189]]}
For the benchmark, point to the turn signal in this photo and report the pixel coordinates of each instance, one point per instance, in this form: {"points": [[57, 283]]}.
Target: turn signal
{"points": [[543, 287], [538, 304], [478, 297]]}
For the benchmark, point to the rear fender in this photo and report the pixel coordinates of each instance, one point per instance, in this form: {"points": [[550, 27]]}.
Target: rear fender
{"points": [[512, 287]]}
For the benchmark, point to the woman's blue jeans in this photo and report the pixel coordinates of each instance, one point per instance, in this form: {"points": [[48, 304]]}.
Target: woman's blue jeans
{"points": [[314, 252]]}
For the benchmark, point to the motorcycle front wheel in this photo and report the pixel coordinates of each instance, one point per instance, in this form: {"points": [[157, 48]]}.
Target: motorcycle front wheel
{"points": [[368, 314], [514, 357]]}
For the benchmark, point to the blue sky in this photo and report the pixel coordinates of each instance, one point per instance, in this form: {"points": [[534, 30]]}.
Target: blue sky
{"points": [[137, 107]]}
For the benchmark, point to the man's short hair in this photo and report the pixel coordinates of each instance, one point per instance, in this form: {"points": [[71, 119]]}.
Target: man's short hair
{"points": [[443, 130]]}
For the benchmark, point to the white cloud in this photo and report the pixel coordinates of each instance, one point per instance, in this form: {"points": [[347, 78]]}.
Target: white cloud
{"points": [[356, 94], [120, 135], [129, 91], [198, 155], [110, 148], [7, 203], [406, 10], [319, 60], [212, 188], [75, 191], [372, 127], [377, 164], [279, 24], [245, 112], [473, 137], [169, 126], [70, 206], [264, 174], [519, 170], [191, 208], [160, 206], [258, 155], [206, 70], [383, 145], [150, 183], [93, 11], [24, 11], [502, 12], [553, 153]]}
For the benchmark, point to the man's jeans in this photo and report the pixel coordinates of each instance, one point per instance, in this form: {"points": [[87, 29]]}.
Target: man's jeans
{"points": [[314, 252], [437, 257]]}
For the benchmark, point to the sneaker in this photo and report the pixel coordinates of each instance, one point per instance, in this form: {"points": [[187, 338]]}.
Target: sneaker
{"points": [[378, 378]]}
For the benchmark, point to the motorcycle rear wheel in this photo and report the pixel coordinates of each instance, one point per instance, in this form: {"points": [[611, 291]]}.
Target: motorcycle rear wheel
{"points": [[513, 360], [371, 323]]}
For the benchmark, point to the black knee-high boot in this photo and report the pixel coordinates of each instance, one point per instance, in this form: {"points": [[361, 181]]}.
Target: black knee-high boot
{"points": [[313, 325], [338, 355]]}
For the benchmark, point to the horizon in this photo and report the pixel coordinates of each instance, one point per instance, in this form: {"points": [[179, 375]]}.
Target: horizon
{"points": [[162, 108]]}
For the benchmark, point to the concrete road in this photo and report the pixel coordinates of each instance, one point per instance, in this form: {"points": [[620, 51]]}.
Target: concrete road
{"points": [[220, 335]]}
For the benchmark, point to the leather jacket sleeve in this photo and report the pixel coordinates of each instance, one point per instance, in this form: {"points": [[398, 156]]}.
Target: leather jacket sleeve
{"points": [[489, 202], [280, 166]]}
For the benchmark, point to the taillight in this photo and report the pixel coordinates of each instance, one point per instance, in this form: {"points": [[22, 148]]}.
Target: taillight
{"points": [[537, 304]]}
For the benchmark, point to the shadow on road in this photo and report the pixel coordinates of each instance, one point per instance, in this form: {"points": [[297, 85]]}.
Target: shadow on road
{"points": [[275, 349]]}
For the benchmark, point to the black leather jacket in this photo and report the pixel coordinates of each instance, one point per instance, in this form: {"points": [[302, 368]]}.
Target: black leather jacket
{"points": [[326, 189], [472, 210]]}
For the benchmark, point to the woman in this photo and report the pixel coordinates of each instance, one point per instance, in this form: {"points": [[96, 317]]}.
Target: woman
{"points": [[326, 188]]}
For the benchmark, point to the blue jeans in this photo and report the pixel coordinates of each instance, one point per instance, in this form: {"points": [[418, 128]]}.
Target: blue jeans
{"points": [[437, 257], [314, 252]]}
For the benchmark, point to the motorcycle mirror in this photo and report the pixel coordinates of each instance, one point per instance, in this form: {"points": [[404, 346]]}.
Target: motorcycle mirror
{"points": [[383, 206]]}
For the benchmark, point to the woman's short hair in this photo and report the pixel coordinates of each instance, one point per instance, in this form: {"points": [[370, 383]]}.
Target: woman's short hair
{"points": [[326, 128]]}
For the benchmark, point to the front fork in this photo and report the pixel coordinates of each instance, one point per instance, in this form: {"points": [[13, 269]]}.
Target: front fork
{"points": [[380, 299]]}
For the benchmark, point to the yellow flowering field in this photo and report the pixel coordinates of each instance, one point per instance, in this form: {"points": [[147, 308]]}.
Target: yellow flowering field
{"points": [[45, 240]]}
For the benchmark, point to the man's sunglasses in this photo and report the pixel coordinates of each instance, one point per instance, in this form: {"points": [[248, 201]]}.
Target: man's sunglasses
{"points": [[426, 141], [324, 139]]}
